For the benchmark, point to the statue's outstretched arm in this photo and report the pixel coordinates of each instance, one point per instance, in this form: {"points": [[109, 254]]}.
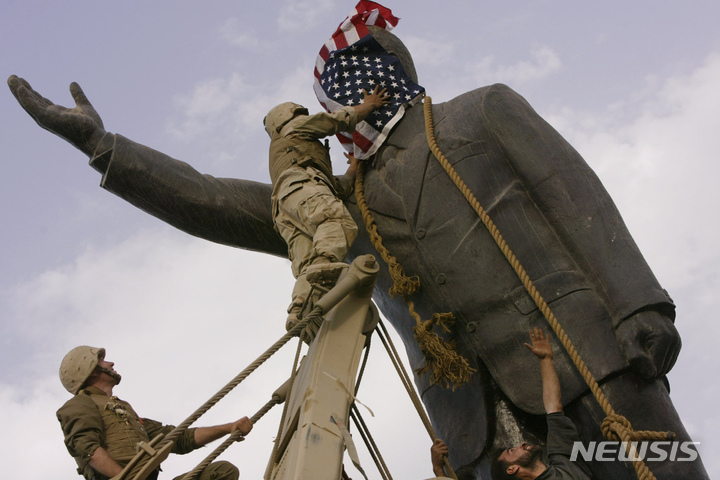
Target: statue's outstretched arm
{"points": [[228, 211]]}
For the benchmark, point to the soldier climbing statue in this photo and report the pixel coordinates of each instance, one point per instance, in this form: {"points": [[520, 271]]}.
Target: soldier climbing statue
{"points": [[307, 198]]}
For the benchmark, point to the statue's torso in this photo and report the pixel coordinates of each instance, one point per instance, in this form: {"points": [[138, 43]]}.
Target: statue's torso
{"points": [[432, 230]]}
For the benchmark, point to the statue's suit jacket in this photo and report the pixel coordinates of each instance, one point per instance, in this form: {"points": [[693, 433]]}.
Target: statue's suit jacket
{"points": [[546, 201]]}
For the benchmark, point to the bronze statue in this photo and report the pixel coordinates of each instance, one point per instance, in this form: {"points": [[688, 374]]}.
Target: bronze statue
{"points": [[550, 207]]}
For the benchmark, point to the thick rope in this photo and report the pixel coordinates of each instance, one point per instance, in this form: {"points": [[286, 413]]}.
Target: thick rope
{"points": [[402, 284], [177, 431], [614, 427], [407, 383], [447, 367], [234, 437]]}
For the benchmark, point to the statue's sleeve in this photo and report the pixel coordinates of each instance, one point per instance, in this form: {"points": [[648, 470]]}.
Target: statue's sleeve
{"points": [[227, 211], [574, 202]]}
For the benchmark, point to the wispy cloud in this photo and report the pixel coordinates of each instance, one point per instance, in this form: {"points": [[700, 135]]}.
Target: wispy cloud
{"points": [[447, 70], [223, 116], [235, 33], [303, 15], [664, 155], [430, 52], [543, 62]]}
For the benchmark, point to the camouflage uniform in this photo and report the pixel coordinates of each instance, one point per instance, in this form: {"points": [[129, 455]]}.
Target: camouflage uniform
{"points": [[91, 419], [308, 211]]}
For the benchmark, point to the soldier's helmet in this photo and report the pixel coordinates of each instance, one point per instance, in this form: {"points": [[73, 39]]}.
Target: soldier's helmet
{"points": [[280, 115], [77, 366]]}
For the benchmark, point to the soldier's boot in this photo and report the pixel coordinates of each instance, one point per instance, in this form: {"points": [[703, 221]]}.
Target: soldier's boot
{"points": [[294, 311], [325, 274], [310, 286], [301, 291]]}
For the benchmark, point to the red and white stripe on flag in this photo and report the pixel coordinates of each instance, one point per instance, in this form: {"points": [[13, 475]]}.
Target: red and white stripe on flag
{"points": [[352, 29]]}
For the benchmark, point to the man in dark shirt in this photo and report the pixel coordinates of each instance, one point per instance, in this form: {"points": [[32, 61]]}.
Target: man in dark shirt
{"points": [[526, 461]]}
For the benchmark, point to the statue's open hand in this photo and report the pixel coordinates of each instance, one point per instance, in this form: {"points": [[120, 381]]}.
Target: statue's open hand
{"points": [[651, 343], [81, 125]]}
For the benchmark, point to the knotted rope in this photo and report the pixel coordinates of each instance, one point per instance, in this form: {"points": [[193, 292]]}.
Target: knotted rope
{"points": [[446, 366], [614, 427]]}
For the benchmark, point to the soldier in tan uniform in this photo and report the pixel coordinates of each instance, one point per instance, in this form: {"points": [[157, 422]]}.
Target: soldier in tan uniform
{"points": [[102, 431], [307, 198]]}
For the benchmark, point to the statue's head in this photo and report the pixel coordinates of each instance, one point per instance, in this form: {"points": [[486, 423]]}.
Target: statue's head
{"points": [[394, 46]]}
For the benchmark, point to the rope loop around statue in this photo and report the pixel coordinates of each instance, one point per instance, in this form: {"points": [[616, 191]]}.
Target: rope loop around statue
{"points": [[615, 426]]}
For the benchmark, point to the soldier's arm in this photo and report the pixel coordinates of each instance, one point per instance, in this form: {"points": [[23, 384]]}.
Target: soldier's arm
{"points": [[102, 463], [82, 427], [352, 166], [438, 452], [540, 347], [323, 124], [204, 435]]}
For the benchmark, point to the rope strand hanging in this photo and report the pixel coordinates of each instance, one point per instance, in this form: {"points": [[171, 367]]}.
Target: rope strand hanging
{"points": [[446, 366], [614, 427]]}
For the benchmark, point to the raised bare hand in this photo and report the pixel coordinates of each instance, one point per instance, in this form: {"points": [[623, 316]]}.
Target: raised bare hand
{"points": [[540, 344], [81, 125]]}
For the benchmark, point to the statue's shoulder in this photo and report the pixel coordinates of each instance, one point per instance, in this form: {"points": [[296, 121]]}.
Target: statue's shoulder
{"points": [[497, 92]]}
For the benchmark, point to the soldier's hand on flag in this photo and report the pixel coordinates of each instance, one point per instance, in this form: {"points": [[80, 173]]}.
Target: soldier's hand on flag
{"points": [[376, 99]]}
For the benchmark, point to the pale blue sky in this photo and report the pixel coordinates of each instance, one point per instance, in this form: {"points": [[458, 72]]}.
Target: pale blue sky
{"points": [[632, 85]]}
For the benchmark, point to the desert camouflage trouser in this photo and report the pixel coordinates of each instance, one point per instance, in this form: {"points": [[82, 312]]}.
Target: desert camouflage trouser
{"points": [[315, 224], [221, 470]]}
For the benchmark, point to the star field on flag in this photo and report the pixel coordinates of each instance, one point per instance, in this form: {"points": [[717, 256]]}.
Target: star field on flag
{"points": [[353, 61]]}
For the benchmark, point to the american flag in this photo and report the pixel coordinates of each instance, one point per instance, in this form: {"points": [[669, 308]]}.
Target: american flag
{"points": [[352, 60]]}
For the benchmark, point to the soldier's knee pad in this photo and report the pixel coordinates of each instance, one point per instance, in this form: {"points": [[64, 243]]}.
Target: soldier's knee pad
{"points": [[221, 470]]}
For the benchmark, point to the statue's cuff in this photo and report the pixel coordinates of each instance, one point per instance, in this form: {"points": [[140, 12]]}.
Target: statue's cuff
{"points": [[100, 159]]}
